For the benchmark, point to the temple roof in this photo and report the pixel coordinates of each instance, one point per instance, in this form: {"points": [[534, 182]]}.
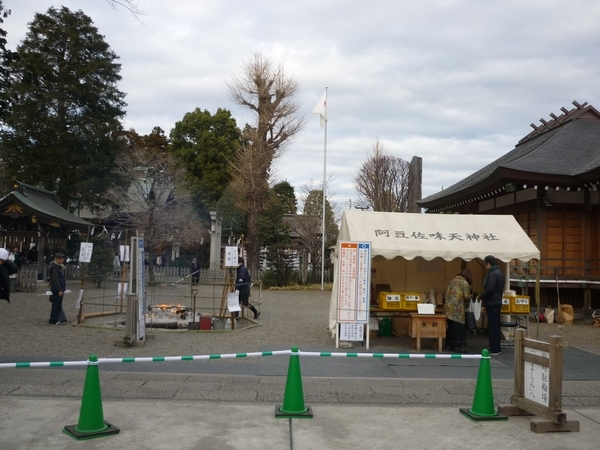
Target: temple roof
{"points": [[564, 151], [30, 201]]}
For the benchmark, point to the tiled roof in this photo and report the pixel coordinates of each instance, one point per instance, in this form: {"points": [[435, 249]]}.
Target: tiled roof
{"points": [[43, 204], [566, 148]]}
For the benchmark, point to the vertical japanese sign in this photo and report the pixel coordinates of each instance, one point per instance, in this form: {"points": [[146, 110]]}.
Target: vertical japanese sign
{"points": [[354, 281], [141, 290], [537, 379], [231, 256], [85, 252]]}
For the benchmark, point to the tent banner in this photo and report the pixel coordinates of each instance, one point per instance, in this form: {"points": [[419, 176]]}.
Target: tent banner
{"points": [[446, 236]]}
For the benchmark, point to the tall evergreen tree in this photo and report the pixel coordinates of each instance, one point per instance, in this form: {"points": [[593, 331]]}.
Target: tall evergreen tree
{"points": [[62, 124], [6, 57], [275, 234], [203, 143]]}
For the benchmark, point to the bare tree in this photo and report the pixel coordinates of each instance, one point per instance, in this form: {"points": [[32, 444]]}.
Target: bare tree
{"points": [[309, 226], [150, 203], [130, 5], [383, 182], [265, 89]]}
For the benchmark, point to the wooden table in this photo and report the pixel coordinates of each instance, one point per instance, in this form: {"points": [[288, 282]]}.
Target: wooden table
{"points": [[427, 326]]}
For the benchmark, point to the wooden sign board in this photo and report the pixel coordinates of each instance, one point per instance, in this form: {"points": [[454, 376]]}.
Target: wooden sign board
{"points": [[538, 384]]}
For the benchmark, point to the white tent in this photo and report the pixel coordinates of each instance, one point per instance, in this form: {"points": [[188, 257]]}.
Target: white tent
{"points": [[404, 237]]}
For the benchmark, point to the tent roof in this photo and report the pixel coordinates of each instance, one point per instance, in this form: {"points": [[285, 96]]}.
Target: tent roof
{"points": [[446, 236]]}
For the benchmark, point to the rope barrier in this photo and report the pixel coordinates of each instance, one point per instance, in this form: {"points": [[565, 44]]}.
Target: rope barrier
{"points": [[393, 355], [21, 365]]}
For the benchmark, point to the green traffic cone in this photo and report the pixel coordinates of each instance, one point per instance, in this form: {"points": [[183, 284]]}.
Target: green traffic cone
{"points": [[483, 402], [91, 418], [293, 398]]}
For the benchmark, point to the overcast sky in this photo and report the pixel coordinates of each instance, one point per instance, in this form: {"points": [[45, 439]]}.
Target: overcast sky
{"points": [[456, 82]]}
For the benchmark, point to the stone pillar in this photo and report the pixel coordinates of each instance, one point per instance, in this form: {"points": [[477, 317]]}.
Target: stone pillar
{"points": [[415, 177], [216, 224]]}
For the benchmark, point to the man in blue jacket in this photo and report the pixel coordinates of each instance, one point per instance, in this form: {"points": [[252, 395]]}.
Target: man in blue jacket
{"points": [[493, 288]]}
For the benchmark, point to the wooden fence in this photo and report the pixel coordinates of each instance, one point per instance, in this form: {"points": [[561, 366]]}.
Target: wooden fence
{"points": [[27, 277]]}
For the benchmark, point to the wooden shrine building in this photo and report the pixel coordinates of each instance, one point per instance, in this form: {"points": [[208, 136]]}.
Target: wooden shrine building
{"points": [[33, 222], [549, 182]]}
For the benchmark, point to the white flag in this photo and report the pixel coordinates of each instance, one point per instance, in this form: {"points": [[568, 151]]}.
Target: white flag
{"points": [[321, 109]]}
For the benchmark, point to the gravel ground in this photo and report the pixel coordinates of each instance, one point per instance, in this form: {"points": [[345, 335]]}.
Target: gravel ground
{"points": [[287, 318]]}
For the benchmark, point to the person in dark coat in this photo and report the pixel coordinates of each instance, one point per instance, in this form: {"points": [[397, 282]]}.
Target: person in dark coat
{"points": [[7, 268], [242, 285], [195, 271], [58, 285], [493, 288]]}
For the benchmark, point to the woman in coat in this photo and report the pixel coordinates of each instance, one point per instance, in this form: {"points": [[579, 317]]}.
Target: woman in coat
{"points": [[458, 296]]}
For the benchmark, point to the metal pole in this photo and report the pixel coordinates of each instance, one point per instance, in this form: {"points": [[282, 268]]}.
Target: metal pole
{"points": [[324, 192]]}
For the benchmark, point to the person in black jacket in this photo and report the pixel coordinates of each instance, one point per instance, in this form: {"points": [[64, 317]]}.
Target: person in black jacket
{"points": [[195, 271], [58, 285], [7, 268], [242, 285], [493, 288]]}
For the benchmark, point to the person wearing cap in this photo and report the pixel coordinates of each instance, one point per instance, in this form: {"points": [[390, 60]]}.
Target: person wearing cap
{"points": [[493, 288], [7, 268], [58, 285]]}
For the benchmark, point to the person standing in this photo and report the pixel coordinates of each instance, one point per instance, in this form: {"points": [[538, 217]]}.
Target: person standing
{"points": [[18, 259], [195, 271], [493, 288], [117, 264], [7, 268], [458, 295], [58, 285], [242, 285]]}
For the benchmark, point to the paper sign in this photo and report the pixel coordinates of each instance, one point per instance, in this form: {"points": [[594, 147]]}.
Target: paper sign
{"points": [[79, 298], [354, 270], [231, 256], [426, 308], [352, 331], [124, 253], [233, 301], [85, 252], [122, 289]]}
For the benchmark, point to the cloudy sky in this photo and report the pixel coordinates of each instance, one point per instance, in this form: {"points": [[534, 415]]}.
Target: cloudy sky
{"points": [[456, 82]]}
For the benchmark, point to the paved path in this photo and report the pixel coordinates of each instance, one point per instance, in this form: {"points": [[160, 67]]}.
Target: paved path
{"points": [[229, 404]]}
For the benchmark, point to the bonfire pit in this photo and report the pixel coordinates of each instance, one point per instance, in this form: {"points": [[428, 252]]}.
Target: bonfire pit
{"points": [[170, 316]]}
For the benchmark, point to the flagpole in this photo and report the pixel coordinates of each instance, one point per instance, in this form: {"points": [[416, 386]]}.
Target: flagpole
{"points": [[324, 196]]}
